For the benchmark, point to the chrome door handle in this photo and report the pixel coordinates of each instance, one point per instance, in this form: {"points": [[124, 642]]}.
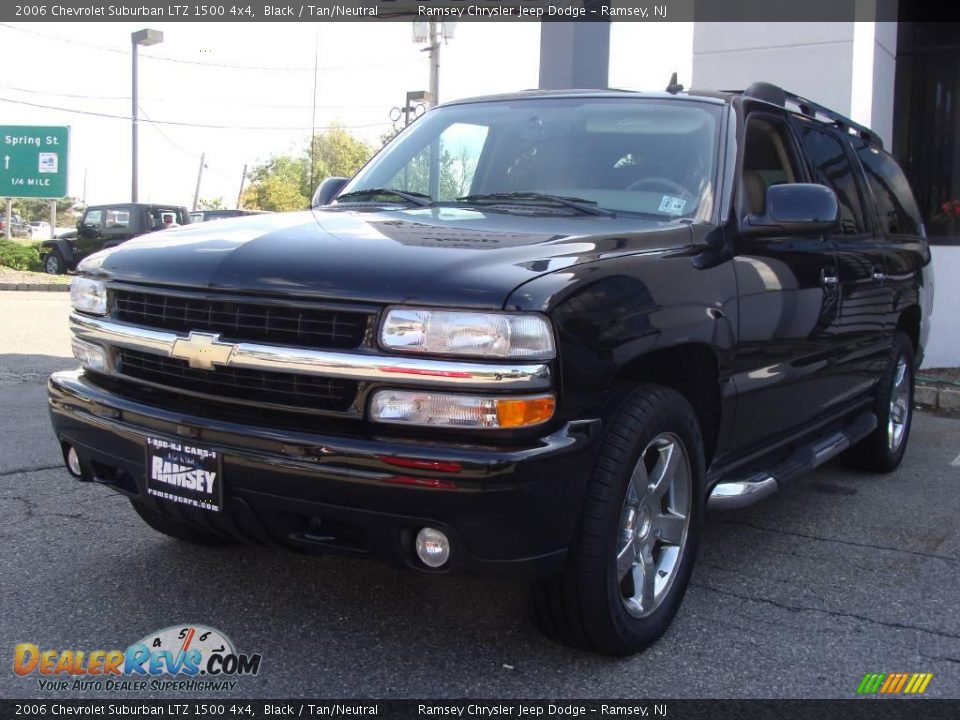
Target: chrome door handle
{"points": [[879, 275], [828, 277]]}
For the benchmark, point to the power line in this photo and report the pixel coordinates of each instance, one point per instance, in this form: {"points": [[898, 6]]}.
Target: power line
{"points": [[184, 61], [180, 123], [192, 101]]}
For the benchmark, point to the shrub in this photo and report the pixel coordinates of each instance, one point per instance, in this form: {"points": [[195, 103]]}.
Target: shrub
{"points": [[20, 256]]}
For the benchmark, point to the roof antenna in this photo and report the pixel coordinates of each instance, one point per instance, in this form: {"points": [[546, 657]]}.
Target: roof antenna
{"points": [[674, 87]]}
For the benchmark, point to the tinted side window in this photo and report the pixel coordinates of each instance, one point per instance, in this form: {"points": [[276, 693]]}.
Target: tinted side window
{"points": [[768, 159], [831, 167], [117, 219], [896, 207]]}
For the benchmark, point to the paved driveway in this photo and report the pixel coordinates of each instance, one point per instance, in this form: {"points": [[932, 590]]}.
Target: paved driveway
{"points": [[840, 574]]}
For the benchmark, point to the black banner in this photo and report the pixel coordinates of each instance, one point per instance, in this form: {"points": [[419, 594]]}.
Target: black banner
{"points": [[891, 709], [478, 11]]}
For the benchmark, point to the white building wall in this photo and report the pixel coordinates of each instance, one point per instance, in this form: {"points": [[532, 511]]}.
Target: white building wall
{"points": [[943, 347]]}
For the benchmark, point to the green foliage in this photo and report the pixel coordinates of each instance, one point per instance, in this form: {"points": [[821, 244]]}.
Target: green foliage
{"points": [[40, 209], [20, 256], [284, 183], [334, 153], [211, 204]]}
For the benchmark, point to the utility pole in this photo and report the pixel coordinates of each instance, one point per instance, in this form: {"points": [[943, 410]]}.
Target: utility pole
{"points": [[8, 220], [53, 219], [196, 193], [243, 176]]}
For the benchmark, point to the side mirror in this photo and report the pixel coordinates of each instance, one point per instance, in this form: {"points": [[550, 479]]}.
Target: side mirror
{"points": [[795, 209], [327, 191]]}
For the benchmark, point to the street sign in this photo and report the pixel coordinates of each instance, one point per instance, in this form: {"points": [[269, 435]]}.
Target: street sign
{"points": [[33, 161]]}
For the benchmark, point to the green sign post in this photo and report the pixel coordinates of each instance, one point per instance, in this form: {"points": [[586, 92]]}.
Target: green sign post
{"points": [[33, 161]]}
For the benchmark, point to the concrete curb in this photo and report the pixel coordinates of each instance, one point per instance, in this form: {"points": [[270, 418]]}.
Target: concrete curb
{"points": [[935, 398], [41, 287]]}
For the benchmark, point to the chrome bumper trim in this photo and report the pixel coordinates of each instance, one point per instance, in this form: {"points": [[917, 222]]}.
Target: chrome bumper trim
{"points": [[352, 366]]}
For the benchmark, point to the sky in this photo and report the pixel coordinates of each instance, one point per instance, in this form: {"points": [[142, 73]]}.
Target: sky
{"points": [[255, 83]]}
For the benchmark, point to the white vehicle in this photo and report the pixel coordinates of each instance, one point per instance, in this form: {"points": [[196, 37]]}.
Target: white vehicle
{"points": [[40, 229]]}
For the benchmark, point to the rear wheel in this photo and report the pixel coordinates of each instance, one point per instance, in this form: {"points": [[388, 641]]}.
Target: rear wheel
{"points": [[53, 263], [883, 449], [175, 528], [631, 560]]}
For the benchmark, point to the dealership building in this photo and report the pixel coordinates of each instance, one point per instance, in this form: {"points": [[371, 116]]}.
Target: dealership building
{"points": [[902, 79]]}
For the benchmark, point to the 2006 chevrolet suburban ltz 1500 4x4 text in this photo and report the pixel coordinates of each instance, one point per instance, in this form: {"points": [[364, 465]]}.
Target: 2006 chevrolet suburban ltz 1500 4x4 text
{"points": [[538, 334]]}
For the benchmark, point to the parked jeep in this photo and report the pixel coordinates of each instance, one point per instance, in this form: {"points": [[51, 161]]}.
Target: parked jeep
{"points": [[105, 226], [537, 335]]}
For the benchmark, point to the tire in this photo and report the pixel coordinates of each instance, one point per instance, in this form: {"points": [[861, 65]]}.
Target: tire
{"points": [[53, 263], [882, 450], [176, 529], [599, 602]]}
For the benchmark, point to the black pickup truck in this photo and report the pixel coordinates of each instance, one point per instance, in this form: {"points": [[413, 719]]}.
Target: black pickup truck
{"points": [[538, 335]]}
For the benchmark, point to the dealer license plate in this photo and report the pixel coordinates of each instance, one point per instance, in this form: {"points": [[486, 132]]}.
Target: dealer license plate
{"points": [[182, 473]]}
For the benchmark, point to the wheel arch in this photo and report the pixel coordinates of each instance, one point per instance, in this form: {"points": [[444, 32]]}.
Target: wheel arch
{"points": [[693, 370], [909, 323]]}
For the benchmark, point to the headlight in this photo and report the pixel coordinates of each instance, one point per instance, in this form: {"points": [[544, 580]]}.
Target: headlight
{"points": [[89, 296], [467, 334], [408, 407]]}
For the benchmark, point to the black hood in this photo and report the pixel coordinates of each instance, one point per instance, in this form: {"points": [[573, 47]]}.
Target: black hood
{"points": [[433, 256]]}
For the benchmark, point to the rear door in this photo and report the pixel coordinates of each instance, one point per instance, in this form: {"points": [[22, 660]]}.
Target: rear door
{"points": [[865, 298], [901, 236], [89, 239]]}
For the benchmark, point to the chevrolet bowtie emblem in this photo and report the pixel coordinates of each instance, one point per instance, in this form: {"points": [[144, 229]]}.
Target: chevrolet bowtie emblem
{"points": [[202, 350]]}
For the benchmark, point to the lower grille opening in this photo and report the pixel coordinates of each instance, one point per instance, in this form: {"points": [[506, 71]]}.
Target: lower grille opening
{"points": [[239, 384]]}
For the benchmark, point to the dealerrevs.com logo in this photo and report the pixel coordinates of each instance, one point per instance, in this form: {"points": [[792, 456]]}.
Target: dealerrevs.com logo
{"points": [[181, 657]]}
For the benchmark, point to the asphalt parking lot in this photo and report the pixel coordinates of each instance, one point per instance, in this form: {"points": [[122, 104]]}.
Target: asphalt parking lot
{"points": [[840, 574]]}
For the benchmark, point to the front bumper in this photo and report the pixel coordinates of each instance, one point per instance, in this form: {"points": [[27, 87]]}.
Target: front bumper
{"points": [[506, 510]]}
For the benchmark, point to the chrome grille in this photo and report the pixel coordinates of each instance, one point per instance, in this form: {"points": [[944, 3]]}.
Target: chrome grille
{"points": [[244, 320], [241, 385]]}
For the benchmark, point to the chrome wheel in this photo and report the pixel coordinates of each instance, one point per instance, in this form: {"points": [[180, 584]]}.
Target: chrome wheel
{"points": [[899, 416], [52, 265], [654, 523]]}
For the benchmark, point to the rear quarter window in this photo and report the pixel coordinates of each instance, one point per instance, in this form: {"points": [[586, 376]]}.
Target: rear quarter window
{"points": [[896, 207]]}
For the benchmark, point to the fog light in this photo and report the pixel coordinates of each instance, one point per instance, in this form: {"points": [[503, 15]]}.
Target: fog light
{"points": [[433, 547], [90, 356], [73, 462]]}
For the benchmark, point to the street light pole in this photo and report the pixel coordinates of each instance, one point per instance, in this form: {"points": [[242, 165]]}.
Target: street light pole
{"points": [[141, 37], [434, 50]]}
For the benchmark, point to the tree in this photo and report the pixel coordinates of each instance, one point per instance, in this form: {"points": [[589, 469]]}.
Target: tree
{"points": [[277, 185], [334, 153], [211, 204], [40, 210], [285, 183]]}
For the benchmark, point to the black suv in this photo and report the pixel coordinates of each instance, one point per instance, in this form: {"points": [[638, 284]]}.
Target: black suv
{"points": [[538, 334], [104, 226]]}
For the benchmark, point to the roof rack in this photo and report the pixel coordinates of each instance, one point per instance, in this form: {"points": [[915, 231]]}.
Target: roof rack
{"points": [[778, 96]]}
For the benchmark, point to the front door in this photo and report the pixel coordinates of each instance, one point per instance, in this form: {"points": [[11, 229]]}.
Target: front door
{"points": [[788, 302]]}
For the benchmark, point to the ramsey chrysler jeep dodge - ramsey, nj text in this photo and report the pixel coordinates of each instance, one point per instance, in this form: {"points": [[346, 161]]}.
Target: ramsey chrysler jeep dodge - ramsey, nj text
{"points": [[536, 335]]}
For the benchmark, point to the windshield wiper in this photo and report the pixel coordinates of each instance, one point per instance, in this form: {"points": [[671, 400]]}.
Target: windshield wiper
{"points": [[588, 207], [411, 197]]}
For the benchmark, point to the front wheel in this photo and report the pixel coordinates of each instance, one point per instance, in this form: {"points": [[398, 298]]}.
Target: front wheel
{"points": [[631, 560], [883, 449], [53, 264]]}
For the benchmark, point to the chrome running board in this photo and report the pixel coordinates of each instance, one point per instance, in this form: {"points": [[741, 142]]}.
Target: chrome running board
{"points": [[746, 488]]}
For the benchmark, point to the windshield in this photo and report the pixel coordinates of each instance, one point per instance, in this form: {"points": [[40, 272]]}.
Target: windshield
{"points": [[646, 156]]}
